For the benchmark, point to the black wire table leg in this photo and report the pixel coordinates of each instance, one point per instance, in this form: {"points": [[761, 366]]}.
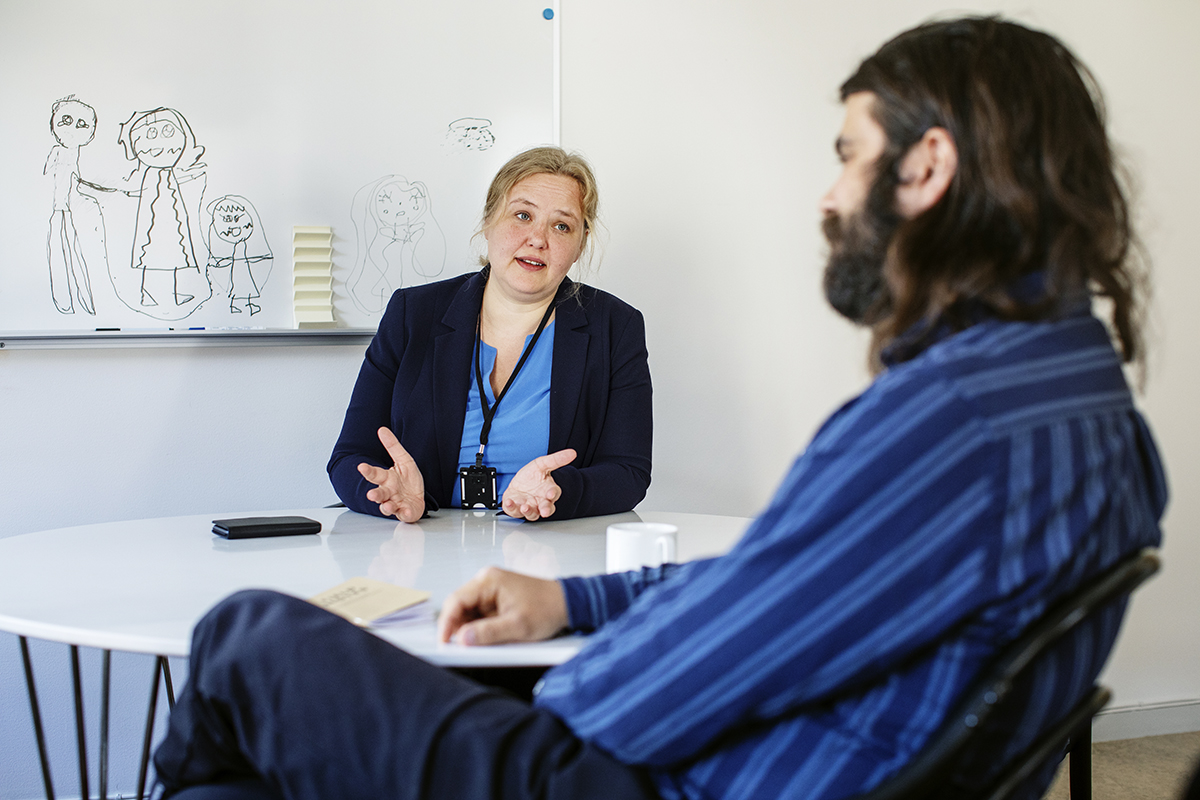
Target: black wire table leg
{"points": [[105, 682], [166, 665], [141, 787], [80, 732], [37, 719]]}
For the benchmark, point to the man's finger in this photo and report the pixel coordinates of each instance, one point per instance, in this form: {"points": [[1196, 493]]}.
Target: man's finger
{"points": [[453, 616], [463, 604], [491, 630]]}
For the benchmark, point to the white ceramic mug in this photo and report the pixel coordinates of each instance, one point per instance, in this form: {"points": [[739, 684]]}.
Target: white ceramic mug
{"points": [[633, 545]]}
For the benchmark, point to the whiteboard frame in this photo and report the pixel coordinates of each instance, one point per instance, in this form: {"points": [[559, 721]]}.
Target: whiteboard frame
{"points": [[68, 340]]}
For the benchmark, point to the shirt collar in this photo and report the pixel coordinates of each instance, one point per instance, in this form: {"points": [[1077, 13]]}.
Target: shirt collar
{"points": [[1027, 290]]}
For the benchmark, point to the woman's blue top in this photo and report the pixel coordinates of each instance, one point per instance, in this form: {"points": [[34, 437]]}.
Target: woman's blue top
{"points": [[521, 429]]}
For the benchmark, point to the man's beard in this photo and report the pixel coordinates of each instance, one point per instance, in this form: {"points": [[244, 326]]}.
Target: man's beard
{"points": [[858, 244]]}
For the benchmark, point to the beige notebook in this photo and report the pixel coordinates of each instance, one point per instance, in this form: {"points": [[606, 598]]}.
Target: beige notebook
{"points": [[365, 600]]}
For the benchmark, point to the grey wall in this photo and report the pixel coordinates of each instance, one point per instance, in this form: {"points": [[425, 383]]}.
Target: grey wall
{"points": [[711, 126], [95, 435]]}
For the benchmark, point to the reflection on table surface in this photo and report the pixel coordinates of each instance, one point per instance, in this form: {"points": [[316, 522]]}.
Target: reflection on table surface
{"points": [[141, 585]]}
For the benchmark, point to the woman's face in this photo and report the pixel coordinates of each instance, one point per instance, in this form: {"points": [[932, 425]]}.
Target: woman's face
{"points": [[535, 237]]}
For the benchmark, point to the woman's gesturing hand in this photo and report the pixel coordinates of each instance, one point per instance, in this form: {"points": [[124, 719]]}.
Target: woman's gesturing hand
{"points": [[500, 606], [532, 493], [399, 491]]}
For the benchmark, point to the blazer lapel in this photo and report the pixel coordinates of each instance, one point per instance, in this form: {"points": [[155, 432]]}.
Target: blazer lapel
{"points": [[566, 375], [453, 347]]}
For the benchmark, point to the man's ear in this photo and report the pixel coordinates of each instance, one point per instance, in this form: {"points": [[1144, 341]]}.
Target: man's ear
{"points": [[926, 172]]}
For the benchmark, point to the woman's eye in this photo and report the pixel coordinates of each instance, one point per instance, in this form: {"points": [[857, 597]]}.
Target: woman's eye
{"points": [[563, 227], [523, 215]]}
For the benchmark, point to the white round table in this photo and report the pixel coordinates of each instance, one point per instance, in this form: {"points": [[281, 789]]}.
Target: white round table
{"points": [[139, 586]]}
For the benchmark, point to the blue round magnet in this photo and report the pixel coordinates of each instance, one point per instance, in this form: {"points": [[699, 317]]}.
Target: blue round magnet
{"points": [[548, 13]]}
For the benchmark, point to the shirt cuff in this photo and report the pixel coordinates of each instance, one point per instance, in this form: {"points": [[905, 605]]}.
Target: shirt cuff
{"points": [[594, 600]]}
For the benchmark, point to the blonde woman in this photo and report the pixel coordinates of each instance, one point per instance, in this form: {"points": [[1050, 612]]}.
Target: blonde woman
{"points": [[513, 387]]}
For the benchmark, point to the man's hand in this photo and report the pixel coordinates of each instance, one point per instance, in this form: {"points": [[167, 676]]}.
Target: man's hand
{"points": [[399, 491], [499, 606], [532, 493]]}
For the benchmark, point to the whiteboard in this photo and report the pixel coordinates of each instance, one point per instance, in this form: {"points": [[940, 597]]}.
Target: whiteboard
{"points": [[155, 156]]}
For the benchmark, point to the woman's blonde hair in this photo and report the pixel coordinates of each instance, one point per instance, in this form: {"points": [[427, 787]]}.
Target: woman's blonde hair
{"points": [[545, 161]]}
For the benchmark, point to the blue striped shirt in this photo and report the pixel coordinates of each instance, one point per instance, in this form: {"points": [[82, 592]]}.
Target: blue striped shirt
{"points": [[930, 520]]}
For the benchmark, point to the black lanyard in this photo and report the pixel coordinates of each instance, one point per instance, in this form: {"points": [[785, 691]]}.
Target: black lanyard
{"points": [[489, 414]]}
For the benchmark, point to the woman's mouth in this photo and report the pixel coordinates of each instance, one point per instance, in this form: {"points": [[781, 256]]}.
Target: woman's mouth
{"points": [[531, 263]]}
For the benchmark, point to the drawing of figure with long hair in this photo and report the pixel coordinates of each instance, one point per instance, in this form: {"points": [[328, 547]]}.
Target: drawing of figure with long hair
{"points": [[238, 243], [76, 224], [399, 241], [172, 282]]}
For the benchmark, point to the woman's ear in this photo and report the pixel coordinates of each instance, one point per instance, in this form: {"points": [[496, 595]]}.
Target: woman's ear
{"points": [[926, 172]]}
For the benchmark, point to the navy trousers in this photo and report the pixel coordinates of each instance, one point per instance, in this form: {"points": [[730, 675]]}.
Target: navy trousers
{"points": [[291, 700]]}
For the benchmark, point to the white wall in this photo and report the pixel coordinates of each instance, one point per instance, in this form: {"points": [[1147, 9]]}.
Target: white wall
{"points": [[710, 123]]}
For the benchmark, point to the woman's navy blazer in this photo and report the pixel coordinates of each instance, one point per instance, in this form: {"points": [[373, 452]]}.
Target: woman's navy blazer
{"points": [[417, 373]]}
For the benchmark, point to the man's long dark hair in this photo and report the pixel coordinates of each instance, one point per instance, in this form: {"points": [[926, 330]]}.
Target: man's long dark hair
{"points": [[1036, 190]]}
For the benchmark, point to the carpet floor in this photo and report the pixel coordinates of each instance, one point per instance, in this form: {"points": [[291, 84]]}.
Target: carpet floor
{"points": [[1151, 768]]}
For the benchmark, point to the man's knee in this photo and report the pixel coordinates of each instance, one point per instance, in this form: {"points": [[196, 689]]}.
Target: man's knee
{"points": [[251, 622]]}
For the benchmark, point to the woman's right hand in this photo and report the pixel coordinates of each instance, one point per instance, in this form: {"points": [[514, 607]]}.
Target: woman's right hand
{"points": [[399, 491]]}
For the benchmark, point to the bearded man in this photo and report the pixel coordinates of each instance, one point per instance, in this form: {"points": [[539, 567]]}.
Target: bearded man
{"points": [[995, 464]]}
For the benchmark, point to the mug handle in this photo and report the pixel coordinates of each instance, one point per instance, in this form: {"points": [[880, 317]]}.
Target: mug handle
{"points": [[666, 549]]}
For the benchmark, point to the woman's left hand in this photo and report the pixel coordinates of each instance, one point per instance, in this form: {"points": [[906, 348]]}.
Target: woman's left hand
{"points": [[532, 493]]}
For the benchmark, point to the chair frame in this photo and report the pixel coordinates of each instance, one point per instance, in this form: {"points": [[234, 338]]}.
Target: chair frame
{"points": [[922, 776]]}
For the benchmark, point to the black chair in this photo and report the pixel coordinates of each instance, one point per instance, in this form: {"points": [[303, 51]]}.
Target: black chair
{"points": [[1192, 790], [960, 760]]}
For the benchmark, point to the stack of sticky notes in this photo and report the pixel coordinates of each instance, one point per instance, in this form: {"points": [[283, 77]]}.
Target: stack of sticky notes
{"points": [[312, 276], [365, 601]]}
